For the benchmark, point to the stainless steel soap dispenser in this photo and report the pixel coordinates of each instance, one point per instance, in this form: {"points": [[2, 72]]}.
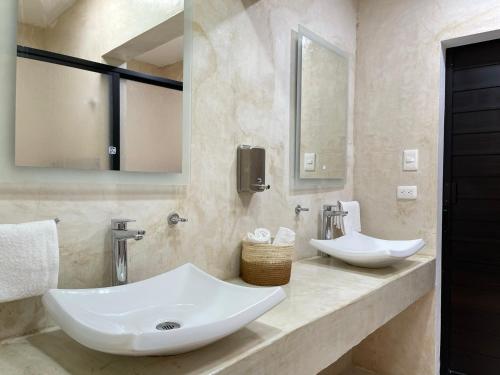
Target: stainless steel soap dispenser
{"points": [[251, 173]]}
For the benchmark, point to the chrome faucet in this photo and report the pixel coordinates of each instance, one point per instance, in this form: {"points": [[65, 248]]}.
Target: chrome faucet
{"points": [[119, 236], [329, 215]]}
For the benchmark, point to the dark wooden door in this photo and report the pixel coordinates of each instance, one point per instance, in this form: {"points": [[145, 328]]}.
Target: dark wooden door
{"points": [[470, 341]]}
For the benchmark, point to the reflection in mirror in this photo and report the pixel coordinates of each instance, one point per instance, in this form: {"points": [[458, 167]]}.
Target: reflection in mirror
{"points": [[322, 103], [99, 85], [159, 147], [62, 116]]}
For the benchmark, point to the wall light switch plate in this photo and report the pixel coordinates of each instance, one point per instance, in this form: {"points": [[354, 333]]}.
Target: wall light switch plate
{"points": [[410, 160], [309, 161], [407, 192]]}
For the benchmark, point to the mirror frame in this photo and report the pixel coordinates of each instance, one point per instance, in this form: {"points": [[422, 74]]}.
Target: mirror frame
{"points": [[11, 174], [311, 184]]}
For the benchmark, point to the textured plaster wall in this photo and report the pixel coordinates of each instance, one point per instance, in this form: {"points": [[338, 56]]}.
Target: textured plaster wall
{"points": [[398, 88], [241, 94], [404, 345]]}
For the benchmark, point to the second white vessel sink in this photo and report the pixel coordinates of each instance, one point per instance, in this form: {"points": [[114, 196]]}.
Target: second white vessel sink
{"points": [[365, 251], [172, 313]]}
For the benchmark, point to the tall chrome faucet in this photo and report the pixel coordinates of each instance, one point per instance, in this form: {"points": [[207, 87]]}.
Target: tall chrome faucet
{"points": [[119, 236], [329, 214]]}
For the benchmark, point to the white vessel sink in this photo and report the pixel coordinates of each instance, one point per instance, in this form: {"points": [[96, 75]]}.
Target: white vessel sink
{"points": [[365, 251], [172, 313]]}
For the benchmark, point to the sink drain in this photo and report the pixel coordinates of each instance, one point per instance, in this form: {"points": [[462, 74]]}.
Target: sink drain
{"points": [[166, 326]]}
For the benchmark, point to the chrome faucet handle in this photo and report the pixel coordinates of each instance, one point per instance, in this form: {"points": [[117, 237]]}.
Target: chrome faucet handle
{"points": [[330, 207], [299, 209], [174, 219], [120, 224], [261, 187], [335, 213], [334, 210]]}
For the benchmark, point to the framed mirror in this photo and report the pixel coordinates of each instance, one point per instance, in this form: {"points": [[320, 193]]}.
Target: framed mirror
{"points": [[100, 86], [319, 137]]}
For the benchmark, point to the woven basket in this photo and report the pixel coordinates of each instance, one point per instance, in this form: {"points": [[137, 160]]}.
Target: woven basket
{"points": [[266, 264]]}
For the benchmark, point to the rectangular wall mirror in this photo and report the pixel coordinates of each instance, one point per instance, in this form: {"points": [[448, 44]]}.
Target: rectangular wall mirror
{"points": [[100, 85], [322, 95]]}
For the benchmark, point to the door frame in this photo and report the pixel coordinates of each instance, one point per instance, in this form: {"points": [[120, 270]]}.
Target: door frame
{"points": [[443, 191]]}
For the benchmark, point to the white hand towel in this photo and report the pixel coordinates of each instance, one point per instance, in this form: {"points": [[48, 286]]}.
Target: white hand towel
{"points": [[29, 259], [260, 235], [284, 236], [352, 221]]}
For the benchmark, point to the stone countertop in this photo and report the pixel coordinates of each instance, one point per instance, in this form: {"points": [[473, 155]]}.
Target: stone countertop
{"points": [[330, 307]]}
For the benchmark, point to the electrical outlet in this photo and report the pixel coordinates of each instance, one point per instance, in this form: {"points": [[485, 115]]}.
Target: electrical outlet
{"points": [[407, 192]]}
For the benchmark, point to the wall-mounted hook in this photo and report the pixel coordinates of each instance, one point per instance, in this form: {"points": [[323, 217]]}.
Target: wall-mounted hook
{"points": [[299, 209], [174, 219]]}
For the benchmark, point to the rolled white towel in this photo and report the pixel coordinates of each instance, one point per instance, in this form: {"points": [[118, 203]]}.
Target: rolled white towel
{"points": [[29, 263], [260, 235], [284, 236]]}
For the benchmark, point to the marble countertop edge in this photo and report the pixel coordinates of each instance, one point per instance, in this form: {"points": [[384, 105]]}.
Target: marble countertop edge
{"points": [[330, 307]]}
